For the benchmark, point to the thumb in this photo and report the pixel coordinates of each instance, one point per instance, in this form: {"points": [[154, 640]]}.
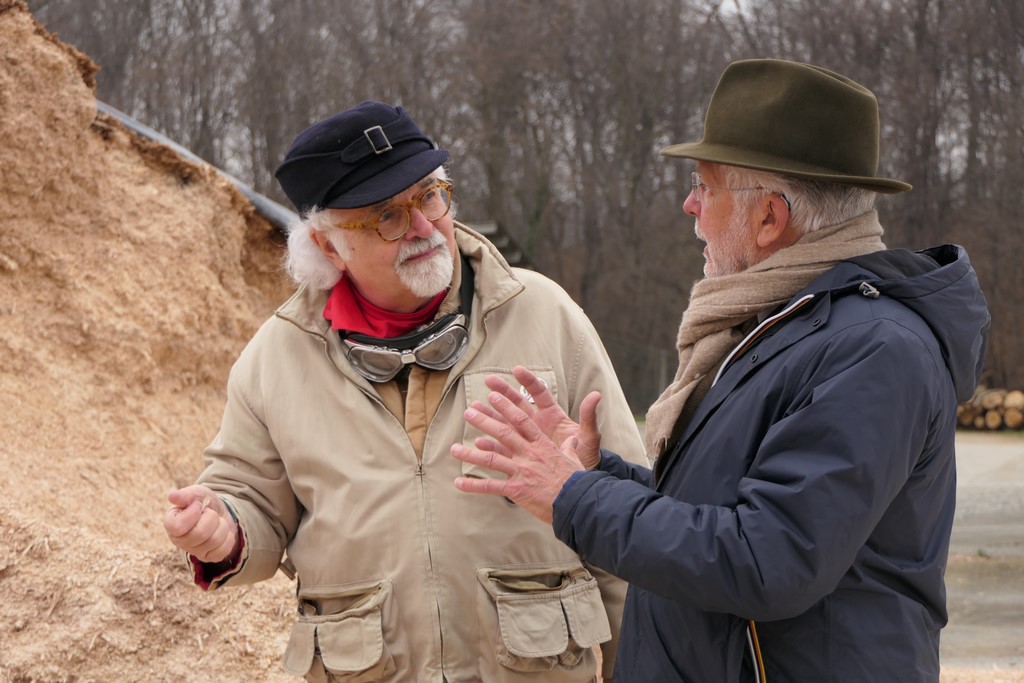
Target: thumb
{"points": [[589, 433], [182, 498], [586, 443]]}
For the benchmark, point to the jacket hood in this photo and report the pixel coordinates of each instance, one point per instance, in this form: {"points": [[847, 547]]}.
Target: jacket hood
{"points": [[940, 286]]}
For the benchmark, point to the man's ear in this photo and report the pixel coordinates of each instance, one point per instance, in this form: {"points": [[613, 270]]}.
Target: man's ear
{"points": [[323, 243], [772, 233]]}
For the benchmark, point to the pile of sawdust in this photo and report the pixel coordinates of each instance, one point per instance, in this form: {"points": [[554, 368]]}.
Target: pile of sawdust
{"points": [[129, 281]]}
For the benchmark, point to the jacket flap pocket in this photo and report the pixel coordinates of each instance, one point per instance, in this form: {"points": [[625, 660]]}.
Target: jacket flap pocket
{"points": [[298, 655], [584, 610], [533, 625], [352, 644]]}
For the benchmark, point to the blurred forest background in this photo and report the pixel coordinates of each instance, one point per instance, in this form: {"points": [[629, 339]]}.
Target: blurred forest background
{"points": [[554, 111]]}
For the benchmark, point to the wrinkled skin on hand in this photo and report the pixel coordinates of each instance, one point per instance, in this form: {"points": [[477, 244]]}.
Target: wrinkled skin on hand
{"points": [[199, 523], [520, 444], [542, 409]]}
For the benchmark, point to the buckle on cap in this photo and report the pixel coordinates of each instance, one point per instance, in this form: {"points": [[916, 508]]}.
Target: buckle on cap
{"points": [[384, 147]]}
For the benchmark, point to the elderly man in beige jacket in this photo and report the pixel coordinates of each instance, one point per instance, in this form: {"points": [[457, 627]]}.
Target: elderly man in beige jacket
{"points": [[332, 458]]}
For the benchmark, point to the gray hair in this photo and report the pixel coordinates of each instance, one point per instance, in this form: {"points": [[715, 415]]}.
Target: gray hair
{"points": [[814, 204], [304, 261]]}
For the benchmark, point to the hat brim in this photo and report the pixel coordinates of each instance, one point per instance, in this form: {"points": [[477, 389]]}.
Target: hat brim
{"points": [[390, 181], [732, 156]]}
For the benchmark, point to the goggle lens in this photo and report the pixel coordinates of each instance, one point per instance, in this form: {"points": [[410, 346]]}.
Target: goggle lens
{"points": [[376, 365], [442, 352]]}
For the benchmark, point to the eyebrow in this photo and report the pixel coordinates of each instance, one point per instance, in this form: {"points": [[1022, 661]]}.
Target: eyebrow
{"points": [[421, 184]]}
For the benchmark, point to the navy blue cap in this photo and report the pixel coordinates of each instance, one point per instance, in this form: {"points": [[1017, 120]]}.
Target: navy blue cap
{"points": [[358, 157]]}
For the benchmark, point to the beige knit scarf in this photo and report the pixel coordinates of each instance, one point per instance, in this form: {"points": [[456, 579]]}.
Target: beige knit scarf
{"points": [[717, 305]]}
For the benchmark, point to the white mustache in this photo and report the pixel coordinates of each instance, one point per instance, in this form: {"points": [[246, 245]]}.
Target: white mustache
{"points": [[415, 248]]}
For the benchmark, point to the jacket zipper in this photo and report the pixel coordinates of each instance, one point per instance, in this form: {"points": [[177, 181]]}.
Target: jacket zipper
{"points": [[755, 653], [768, 322]]}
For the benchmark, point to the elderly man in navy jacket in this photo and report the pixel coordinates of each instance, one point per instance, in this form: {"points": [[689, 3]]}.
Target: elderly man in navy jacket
{"points": [[795, 524]]}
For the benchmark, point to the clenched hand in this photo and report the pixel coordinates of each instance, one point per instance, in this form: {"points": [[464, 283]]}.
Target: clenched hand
{"points": [[199, 523]]}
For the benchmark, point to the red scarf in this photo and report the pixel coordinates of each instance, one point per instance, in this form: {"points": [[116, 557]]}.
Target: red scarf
{"points": [[349, 310]]}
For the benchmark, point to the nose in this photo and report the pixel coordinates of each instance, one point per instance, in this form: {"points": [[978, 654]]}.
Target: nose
{"points": [[691, 205], [419, 226]]}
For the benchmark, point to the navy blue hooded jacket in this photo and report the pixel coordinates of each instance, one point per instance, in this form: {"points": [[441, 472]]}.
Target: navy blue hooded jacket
{"points": [[807, 507]]}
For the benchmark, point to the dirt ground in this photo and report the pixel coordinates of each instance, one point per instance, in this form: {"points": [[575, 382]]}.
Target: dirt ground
{"points": [[983, 581], [129, 281]]}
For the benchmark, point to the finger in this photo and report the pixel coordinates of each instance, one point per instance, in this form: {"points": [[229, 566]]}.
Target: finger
{"points": [[500, 428], [181, 498], [586, 444], [223, 551], [179, 522], [520, 422], [477, 485], [588, 411], [486, 410], [488, 459], [206, 551], [486, 444], [589, 432], [212, 533], [498, 384], [217, 546], [537, 387], [206, 528]]}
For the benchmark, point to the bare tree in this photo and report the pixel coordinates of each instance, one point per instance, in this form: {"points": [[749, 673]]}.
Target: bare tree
{"points": [[555, 110]]}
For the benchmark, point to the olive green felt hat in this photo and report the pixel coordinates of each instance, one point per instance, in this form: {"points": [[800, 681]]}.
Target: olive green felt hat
{"points": [[792, 118]]}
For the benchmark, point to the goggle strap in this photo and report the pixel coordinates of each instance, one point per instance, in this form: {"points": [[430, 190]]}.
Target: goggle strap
{"points": [[404, 343]]}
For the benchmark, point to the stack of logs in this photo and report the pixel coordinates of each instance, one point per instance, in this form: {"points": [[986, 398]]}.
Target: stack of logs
{"points": [[992, 409]]}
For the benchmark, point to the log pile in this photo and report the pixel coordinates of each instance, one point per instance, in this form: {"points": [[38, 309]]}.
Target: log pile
{"points": [[992, 409]]}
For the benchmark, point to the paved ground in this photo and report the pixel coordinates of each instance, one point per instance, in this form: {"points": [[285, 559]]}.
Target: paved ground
{"points": [[985, 579]]}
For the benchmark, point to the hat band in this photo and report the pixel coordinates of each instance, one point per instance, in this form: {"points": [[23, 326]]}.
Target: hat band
{"points": [[376, 140], [384, 144]]}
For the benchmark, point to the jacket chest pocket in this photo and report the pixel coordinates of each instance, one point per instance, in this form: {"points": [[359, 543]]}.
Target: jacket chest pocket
{"points": [[543, 619], [341, 637]]}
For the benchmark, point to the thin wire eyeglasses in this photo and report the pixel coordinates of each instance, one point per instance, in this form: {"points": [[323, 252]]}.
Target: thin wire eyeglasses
{"points": [[697, 186], [393, 221]]}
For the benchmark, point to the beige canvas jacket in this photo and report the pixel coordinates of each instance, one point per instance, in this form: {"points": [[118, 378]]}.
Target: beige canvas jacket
{"points": [[400, 576]]}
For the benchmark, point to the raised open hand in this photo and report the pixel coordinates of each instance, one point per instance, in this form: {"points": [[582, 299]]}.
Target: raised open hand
{"points": [[537, 402], [536, 469]]}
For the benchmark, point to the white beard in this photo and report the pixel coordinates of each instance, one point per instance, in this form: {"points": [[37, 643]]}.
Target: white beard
{"points": [[733, 252], [428, 277]]}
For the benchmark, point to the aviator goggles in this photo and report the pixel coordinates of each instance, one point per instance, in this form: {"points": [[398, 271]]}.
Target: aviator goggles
{"points": [[438, 347]]}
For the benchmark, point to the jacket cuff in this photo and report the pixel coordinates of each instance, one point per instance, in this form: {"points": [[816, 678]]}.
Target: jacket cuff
{"points": [[206, 574], [564, 505]]}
